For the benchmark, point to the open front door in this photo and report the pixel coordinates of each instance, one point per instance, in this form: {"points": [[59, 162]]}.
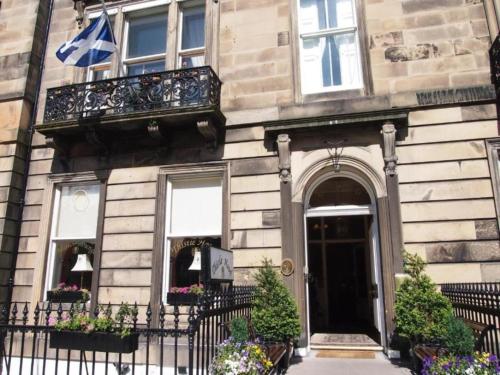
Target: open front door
{"points": [[376, 289]]}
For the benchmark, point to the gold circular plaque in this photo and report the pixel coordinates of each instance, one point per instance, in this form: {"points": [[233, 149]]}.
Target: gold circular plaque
{"points": [[287, 267]]}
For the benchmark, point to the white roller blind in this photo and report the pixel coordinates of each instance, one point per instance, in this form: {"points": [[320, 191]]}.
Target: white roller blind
{"points": [[78, 208], [196, 207]]}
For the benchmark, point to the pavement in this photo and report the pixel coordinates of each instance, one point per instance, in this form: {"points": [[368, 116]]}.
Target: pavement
{"points": [[311, 365]]}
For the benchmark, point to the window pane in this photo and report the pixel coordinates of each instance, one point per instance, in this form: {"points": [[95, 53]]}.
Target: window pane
{"points": [[65, 256], [145, 68], [196, 207], [193, 28], [147, 36], [331, 61], [192, 61], [99, 74], [182, 252], [78, 208], [325, 14]]}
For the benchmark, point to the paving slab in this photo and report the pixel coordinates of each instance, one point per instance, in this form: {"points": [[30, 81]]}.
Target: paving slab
{"points": [[340, 366]]}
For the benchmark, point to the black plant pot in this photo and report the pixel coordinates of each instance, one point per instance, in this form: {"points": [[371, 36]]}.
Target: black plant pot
{"points": [[67, 296], [182, 299], [96, 341]]}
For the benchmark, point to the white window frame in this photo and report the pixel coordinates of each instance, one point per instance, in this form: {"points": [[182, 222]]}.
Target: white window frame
{"points": [[331, 32], [493, 148], [168, 235], [191, 51], [159, 13], [53, 239], [93, 68]]}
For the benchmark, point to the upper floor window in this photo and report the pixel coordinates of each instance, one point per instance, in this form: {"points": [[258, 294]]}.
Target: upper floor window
{"points": [[154, 37], [145, 44], [102, 70], [329, 46], [192, 46]]}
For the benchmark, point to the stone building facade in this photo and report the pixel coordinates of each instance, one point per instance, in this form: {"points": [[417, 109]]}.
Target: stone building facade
{"points": [[346, 132], [21, 51]]}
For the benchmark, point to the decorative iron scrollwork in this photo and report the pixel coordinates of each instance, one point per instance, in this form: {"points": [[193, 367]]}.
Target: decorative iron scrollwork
{"points": [[495, 63], [171, 90]]}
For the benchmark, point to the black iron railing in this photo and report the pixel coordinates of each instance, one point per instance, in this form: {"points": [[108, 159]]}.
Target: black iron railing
{"points": [[479, 302], [173, 90], [183, 340], [495, 63]]}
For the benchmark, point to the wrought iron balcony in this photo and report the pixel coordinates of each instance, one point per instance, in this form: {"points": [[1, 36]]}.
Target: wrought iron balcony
{"points": [[153, 101], [495, 64]]}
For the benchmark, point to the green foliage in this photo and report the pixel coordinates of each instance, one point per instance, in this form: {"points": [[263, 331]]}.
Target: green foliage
{"points": [[422, 313], [104, 322], [459, 338], [239, 329], [274, 315]]}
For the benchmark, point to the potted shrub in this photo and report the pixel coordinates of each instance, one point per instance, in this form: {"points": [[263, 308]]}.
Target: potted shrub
{"points": [[65, 293], [422, 312], [187, 295], [274, 314], [101, 334]]}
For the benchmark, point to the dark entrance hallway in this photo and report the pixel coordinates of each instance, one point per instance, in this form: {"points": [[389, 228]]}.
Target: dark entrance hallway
{"points": [[341, 286]]}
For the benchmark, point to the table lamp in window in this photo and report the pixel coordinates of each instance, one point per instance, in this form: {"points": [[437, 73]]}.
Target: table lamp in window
{"points": [[196, 264], [82, 265]]}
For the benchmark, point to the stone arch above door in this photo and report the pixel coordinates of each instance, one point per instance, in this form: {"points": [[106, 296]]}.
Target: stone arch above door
{"points": [[364, 164]]}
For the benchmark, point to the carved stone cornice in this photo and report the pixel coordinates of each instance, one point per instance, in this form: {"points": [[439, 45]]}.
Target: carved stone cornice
{"points": [[284, 165]]}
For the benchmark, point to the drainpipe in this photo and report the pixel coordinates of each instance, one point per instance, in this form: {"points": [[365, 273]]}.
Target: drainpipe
{"points": [[29, 139]]}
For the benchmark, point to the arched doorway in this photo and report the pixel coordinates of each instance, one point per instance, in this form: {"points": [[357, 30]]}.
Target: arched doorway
{"points": [[343, 283]]}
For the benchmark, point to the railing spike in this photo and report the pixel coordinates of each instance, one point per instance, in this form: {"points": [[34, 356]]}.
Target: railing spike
{"points": [[14, 313], [37, 314], [59, 312], [25, 314]]}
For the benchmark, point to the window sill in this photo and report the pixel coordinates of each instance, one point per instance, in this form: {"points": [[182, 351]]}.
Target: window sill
{"points": [[333, 95]]}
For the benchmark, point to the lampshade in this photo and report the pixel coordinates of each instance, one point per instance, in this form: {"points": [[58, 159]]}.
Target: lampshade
{"points": [[82, 264], [196, 265]]}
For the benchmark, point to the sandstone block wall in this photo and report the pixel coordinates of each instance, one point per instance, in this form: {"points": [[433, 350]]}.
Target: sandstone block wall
{"points": [[129, 216], [447, 203], [420, 44], [22, 26]]}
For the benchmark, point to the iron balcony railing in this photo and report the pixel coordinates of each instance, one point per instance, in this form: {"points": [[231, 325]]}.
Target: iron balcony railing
{"points": [[169, 91], [495, 62]]}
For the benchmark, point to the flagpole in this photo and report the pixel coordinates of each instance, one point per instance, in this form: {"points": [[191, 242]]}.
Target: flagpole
{"points": [[118, 53]]}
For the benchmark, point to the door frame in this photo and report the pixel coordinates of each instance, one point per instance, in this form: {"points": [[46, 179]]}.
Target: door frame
{"points": [[375, 248]]}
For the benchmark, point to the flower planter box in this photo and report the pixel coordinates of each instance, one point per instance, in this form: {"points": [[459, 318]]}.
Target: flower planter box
{"points": [[67, 296], [96, 341], [182, 299]]}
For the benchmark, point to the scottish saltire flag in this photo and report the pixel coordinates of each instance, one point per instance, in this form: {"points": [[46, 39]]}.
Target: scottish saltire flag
{"points": [[92, 45]]}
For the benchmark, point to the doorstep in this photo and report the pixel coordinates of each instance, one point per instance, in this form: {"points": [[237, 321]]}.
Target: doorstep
{"points": [[344, 341]]}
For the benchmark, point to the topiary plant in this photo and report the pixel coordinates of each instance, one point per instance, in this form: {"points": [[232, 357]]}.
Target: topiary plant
{"points": [[274, 314], [459, 339], [422, 313]]}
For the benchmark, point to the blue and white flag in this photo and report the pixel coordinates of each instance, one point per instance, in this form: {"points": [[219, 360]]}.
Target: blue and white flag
{"points": [[91, 46]]}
